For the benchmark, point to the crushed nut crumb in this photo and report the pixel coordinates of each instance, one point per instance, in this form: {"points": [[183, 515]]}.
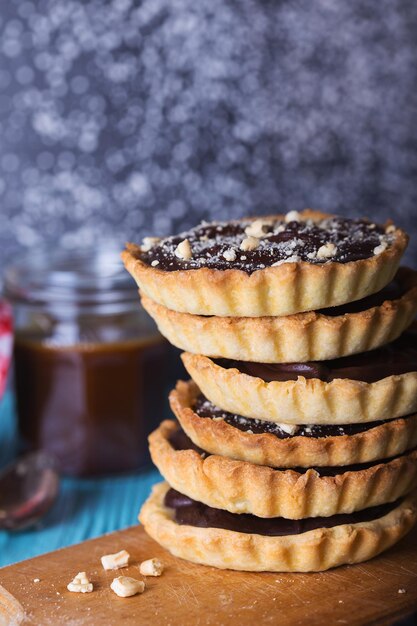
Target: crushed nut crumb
{"points": [[290, 429], [80, 584], [125, 586], [151, 567], [149, 242], [326, 251], [390, 229], [381, 248], [258, 229], [291, 259], [183, 250], [250, 243], [155, 263], [36, 580], [229, 255], [292, 216], [402, 590], [115, 561]]}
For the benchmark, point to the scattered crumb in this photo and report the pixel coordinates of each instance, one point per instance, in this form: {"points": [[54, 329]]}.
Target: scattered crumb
{"points": [[402, 590], [36, 580]]}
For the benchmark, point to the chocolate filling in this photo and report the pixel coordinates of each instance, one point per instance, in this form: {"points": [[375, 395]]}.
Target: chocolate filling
{"points": [[398, 357], [393, 291], [192, 513], [206, 409], [179, 440], [218, 245]]}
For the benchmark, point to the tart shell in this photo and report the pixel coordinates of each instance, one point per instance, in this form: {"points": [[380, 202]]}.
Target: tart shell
{"points": [[312, 551], [241, 487], [303, 401], [301, 337], [281, 290], [218, 437]]}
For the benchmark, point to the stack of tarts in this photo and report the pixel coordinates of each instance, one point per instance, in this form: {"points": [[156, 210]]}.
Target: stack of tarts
{"points": [[295, 447]]}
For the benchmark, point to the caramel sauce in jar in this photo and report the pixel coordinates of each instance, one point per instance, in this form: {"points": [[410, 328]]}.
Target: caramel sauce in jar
{"points": [[91, 371]]}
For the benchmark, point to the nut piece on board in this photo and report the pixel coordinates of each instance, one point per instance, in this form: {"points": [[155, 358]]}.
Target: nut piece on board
{"points": [[124, 586], [115, 561], [80, 584], [151, 567]]}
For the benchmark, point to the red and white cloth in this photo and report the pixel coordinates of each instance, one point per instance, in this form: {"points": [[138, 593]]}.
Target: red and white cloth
{"points": [[6, 342]]}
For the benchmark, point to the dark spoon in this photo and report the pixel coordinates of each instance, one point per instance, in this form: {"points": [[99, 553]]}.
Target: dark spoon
{"points": [[28, 488]]}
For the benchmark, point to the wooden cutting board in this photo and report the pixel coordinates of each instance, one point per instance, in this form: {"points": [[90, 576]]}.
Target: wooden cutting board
{"points": [[194, 595]]}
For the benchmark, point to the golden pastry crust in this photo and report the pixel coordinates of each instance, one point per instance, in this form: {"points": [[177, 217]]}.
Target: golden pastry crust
{"points": [[241, 487], [303, 401], [301, 337], [218, 437], [281, 290], [312, 551]]}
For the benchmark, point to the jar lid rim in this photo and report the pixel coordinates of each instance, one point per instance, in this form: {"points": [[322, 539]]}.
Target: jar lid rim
{"points": [[80, 275]]}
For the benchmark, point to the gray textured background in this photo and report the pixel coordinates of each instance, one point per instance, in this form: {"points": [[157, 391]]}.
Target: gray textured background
{"points": [[130, 117]]}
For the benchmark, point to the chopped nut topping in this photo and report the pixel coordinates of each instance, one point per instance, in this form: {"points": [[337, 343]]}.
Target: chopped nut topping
{"points": [[402, 590], [290, 429], [250, 243], [390, 229], [292, 216], [326, 251], [115, 561], [149, 242], [291, 259], [151, 567], [279, 229], [155, 263], [258, 229], [183, 250], [229, 255], [381, 248], [125, 586], [80, 584]]}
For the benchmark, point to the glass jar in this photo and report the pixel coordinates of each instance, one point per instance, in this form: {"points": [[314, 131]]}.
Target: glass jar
{"points": [[91, 371]]}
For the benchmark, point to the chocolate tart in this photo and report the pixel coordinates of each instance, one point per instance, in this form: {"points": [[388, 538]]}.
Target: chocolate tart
{"points": [[314, 336], [302, 262], [241, 487], [376, 385], [265, 443], [361, 537]]}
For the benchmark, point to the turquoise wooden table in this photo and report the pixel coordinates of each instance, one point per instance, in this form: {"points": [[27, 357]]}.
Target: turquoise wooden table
{"points": [[85, 508]]}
